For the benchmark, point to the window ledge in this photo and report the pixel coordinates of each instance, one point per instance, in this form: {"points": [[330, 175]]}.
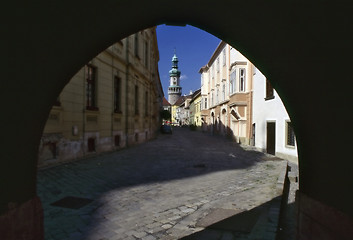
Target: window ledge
{"points": [[91, 108], [269, 98], [290, 146], [57, 108], [223, 101]]}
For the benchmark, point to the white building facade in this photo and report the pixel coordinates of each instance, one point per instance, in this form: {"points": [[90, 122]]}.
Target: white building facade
{"points": [[272, 130]]}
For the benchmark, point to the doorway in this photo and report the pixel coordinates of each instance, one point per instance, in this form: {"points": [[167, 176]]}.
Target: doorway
{"points": [[271, 138]]}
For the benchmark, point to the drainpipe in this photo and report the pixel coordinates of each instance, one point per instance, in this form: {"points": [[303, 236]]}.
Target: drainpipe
{"points": [[112, 117], [251, 73], [83, 111], [127, 93]]}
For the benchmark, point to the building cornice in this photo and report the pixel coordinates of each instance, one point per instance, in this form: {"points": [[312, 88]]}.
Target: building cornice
{"points": [[203, 69], [237, 104], [237, 63], [216, 53]]}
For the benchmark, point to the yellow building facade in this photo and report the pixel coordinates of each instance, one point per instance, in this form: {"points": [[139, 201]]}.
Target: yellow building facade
{"points": [[112, 102], [195, 109]]}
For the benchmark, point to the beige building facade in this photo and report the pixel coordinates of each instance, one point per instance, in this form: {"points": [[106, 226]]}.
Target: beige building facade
{"points": [[226, 94], [238, 101], [112, 102]]}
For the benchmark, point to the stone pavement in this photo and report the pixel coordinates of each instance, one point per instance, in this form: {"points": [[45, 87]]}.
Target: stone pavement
{"points": [[188, 185]]}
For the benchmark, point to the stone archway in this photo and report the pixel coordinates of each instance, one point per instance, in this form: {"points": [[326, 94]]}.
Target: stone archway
{"points": [[45, 43]]}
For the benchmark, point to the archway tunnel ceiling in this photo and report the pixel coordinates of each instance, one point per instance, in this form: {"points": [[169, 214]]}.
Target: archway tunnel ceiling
{"points": [[298, 45]]}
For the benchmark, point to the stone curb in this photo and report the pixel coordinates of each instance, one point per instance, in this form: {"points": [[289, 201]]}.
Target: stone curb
{"points": [[282, 177], [275, 208]]}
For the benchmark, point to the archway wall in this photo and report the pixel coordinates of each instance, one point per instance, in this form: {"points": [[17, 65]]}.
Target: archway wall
{"points": [[294, 44]]}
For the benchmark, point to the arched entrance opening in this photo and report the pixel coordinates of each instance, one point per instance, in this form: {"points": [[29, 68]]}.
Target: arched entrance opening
{"points": [[294, 33], [224, 122]]}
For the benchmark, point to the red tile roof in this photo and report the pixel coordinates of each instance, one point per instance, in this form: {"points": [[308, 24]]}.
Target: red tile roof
{"points": [[165, 102]]}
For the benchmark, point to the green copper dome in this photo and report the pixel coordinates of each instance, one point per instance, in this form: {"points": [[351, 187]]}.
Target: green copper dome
{"points": [[174, 72], [175, 58]]}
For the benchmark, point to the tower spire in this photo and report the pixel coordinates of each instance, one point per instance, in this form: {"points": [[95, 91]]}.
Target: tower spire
{"points": [[174, 90]]}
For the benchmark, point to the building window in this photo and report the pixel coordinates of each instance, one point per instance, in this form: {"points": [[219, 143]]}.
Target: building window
{"points": [[146, 53], [212, 100], [224, 57], [205, 103], [290, 141], [224, 92], [117, 95], [218, 64], [136, 100], [269, 90], [232, 82], [146, 103], [91, 87], [217, 95], [136, 49], [242, 80]]}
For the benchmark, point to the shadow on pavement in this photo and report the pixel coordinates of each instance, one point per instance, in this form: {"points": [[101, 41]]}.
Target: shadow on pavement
{"points": [[256, 223], [163, 159]]}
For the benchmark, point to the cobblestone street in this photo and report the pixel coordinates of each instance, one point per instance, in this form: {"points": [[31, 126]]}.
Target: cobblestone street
{"points": [[188, 185]]}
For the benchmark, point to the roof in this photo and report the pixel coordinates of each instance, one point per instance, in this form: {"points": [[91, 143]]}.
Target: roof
{"points": [[165, 102], [196, 94], [180, 100]]}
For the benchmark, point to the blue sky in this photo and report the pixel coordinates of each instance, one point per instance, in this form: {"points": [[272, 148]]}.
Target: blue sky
{"points": [[194, 47]]}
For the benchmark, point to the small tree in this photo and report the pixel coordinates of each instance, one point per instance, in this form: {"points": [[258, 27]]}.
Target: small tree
{"points": [[165, 114]]}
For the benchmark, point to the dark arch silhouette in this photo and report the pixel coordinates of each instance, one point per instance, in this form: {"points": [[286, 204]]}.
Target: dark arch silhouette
{"points": [[304, 48]]}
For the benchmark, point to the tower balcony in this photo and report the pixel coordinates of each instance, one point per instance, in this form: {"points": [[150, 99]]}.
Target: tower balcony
{"points": [[174, 90]]}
